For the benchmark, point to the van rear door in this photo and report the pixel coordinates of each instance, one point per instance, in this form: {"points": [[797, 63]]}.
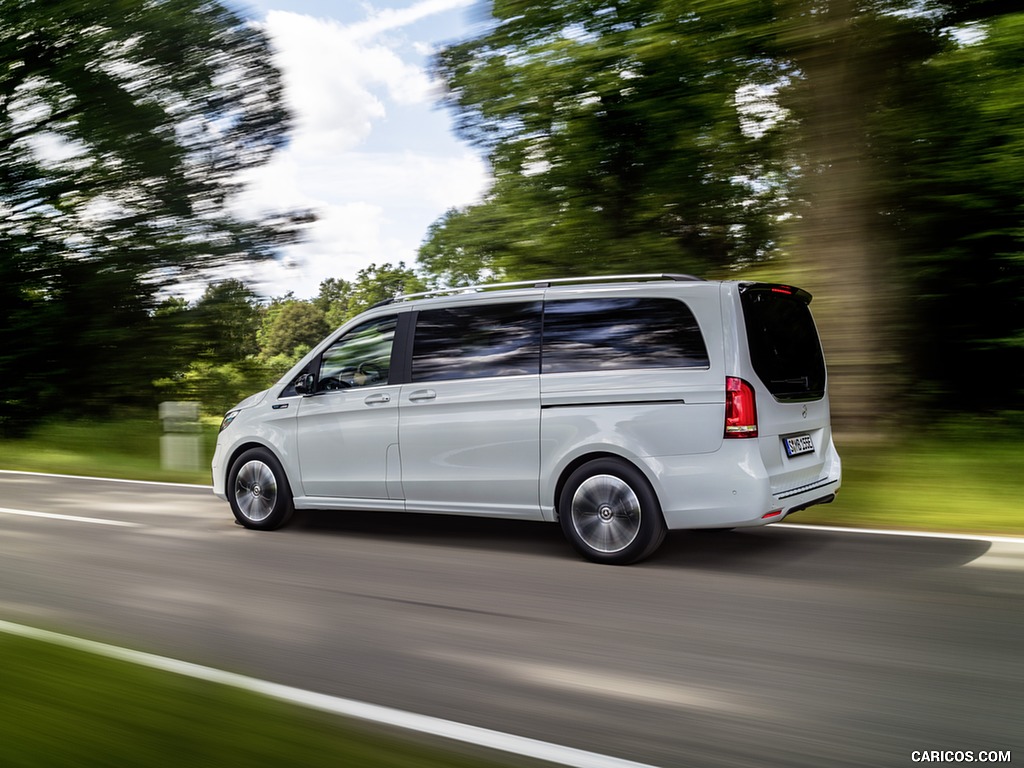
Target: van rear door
{"points": [[788, 375]]}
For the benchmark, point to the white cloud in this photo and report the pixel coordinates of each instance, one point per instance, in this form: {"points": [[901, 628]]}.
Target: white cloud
{"points": [[325, 86], [395, 18], [371, 207], [375, 195]]}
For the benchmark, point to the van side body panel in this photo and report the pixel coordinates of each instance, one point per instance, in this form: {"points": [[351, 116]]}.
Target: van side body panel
{"points": [[470, 446]]}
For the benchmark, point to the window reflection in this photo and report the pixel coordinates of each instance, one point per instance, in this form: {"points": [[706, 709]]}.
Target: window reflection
{"points": [[478, 341], [617, 333], [360, 358]]}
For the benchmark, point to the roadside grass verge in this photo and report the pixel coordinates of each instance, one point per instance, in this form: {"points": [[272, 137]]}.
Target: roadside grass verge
{"points": [[946, 480], [958, 477], [64, 707], [125, 447]]}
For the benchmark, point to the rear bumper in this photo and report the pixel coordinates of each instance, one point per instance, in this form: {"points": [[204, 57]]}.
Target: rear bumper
{"points": [[731, 488], [823, 500]]}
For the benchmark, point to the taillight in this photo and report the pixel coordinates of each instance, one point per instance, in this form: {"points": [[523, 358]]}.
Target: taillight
{"points": [[740, 408]]}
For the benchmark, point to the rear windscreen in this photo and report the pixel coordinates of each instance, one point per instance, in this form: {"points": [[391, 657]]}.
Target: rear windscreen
{"points": [[784, 345]]}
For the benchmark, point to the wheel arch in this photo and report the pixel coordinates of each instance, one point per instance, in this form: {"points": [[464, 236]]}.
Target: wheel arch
{"points": [[579, 461], [241, 448]]}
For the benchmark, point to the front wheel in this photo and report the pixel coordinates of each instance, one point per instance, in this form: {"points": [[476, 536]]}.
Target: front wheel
{"points": [[609, 513], [258, 491]]}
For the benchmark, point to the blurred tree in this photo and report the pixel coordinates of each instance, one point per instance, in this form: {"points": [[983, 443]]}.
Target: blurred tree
{"points": [[845, 60], [333, 300], [956, 198], [123, 129], [615, 138], [291, 325], [227, 316], [660, 135], [375, 283], [462, 248], [219, 386], [887, 136]]}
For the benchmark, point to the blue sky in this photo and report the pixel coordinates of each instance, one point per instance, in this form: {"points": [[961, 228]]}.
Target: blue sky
{"points": [[372, 152]]}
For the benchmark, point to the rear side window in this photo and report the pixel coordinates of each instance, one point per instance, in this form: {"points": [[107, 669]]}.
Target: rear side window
{"points": [[477, 341], [617, 333], [784, 345]]}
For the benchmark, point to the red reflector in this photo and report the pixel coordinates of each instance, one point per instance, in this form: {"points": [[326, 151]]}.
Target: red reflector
{"points": [[740, 408], [773, 513]]}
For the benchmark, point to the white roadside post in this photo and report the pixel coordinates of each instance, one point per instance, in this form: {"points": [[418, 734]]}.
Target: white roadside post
{"points": [[179, 445]]}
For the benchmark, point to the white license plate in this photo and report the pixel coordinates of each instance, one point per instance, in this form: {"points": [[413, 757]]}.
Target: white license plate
{"points": [[798, 444]]}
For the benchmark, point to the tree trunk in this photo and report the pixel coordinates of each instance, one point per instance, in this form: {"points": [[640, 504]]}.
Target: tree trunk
{"points": [[836, 246]]}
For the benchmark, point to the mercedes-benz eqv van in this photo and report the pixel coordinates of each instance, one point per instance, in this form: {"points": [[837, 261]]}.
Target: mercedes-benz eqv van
{"points": [[619, 407]]}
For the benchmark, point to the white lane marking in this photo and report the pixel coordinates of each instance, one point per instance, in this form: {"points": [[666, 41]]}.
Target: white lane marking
{"points": [[107, 479], [448, 729], [915, 534], [68, 518]]}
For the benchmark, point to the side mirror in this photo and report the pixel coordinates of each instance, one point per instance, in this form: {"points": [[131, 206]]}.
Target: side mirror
{"points": [[304, 384]]}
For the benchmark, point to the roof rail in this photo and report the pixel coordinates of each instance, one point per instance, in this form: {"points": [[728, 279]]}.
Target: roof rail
{"points": [[542, 284]]}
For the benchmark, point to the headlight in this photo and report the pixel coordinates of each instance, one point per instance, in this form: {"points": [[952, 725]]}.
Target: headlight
{"points": [[228, 418]]}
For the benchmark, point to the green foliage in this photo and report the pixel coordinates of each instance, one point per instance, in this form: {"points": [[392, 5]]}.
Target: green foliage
{"points": [[218, 386], [124, 126], [957, 200], [616, 141], [291, 325], [858, 145], [461, 248], [333, 300], [229, 346], [375, 283], [224, 322]]}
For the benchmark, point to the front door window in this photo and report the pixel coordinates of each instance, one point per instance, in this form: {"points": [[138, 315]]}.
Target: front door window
{"points": [[360, 358]]}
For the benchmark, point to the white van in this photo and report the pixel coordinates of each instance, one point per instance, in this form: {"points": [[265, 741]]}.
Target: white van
{"points": [[619, 407]]}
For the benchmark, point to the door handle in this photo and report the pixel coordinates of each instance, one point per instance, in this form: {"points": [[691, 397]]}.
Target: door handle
{"points": [[422, 395], [377, 399]]}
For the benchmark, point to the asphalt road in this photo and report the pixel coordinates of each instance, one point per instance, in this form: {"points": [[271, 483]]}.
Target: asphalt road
{"points": [[774, 647]]}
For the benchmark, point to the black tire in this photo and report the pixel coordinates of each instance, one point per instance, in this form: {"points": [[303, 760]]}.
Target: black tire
{"points": [[609, 512], [258, 491]]}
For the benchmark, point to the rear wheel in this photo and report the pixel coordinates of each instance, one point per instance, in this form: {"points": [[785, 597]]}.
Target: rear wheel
{"points": [[609, 513], [258, 491]]}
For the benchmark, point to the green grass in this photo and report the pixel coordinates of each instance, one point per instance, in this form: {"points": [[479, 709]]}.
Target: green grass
{"points": [[127, 447], [951, 479], [63, 707]]}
